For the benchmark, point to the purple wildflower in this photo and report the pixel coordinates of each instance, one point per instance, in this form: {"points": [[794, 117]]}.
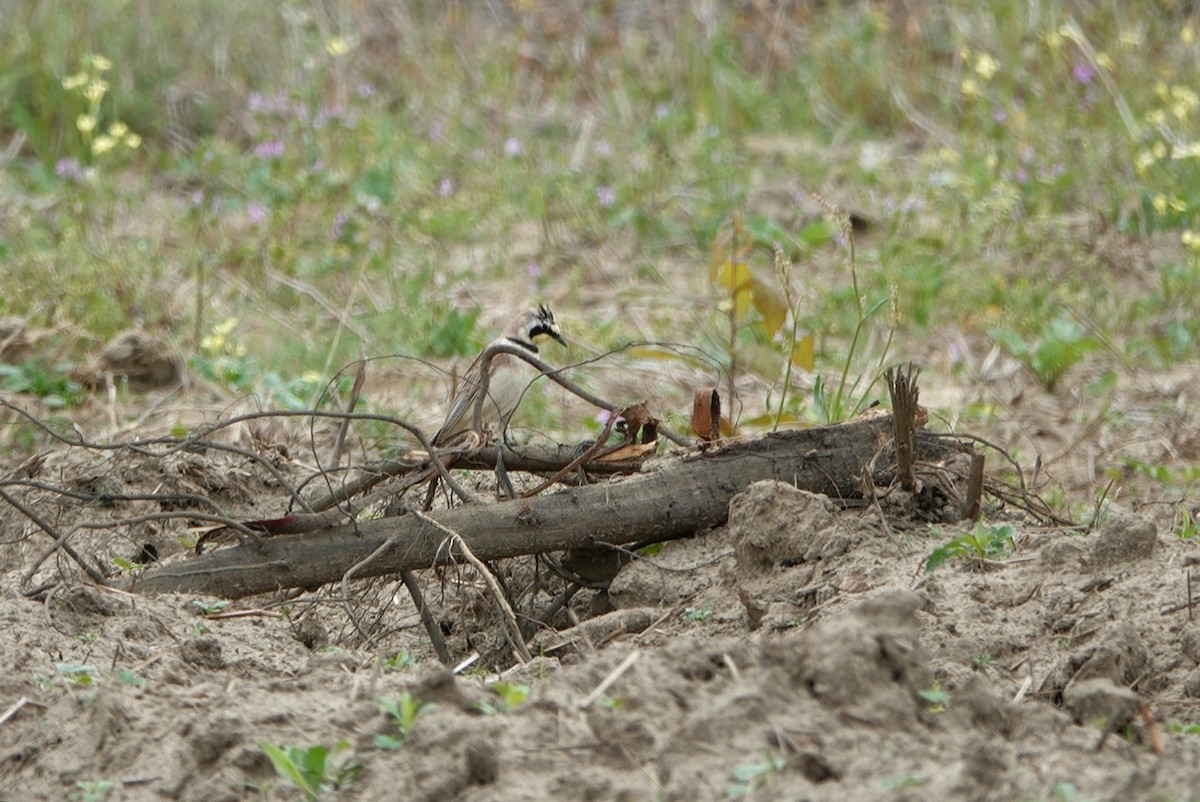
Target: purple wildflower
{"points": [[606, 196], [365, 90], [445, 187], [271, 149], [1083, 72], [69, 170], [338, 228], [256, 212], [513, 147]]}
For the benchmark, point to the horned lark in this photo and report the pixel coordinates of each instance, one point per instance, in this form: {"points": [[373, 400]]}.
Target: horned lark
{"points": [[508, 379]]}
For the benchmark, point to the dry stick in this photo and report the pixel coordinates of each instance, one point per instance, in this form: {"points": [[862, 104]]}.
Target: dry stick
{"points": [[974, 499], [575, 463], [432, 627], [612, 677], [339, 442], [512, 630], [60, 542], [13, 709], [1156, 744]]}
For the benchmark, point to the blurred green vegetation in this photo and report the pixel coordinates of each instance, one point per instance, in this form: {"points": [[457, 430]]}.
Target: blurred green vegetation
{"points": [[361, 178]]}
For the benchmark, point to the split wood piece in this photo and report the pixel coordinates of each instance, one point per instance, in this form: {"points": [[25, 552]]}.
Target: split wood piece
{"points": [[683, 497], [902, 385]]}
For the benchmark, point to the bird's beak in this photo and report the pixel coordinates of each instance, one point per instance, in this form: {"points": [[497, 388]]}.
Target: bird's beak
{"points": [[556, 334]]}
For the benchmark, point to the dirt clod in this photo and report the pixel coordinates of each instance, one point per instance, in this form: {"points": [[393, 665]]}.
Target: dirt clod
{"points": [[1123, 539], [1099, 701]]}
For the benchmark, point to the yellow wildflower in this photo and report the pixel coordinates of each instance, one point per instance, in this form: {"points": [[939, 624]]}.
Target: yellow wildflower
{"points": [[969, 88], [101, 63], [86, 123], [986, 66], [1187, 35], [73, 82], [1105, 61], [1191, 239], [118, 130], [132, 141], [1159, 203], [95, 90], [103, 144], [337, 46]]}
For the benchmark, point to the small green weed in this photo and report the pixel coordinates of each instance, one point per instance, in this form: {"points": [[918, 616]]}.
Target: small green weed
{"points": [[1189, 527], [701, 613], [936, 697], [83, 675], [316, 770], [1058, 346], [1183, 729], [850, 395], [981, 543], [131, 680], [399, 661], [52, 385], [209, 608], [404, 711], [510, 695], [91, 790], [750, 776]]}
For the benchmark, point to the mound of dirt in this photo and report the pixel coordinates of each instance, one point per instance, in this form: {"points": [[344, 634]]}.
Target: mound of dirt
{"points": [[798, 652]]}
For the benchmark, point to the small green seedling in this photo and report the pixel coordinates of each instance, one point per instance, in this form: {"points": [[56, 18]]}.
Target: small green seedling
{"points": [[78, 674], [209, 608], [510, 696], [749, 776], [91, 790], [316, 770], [130, 679], [702, 613], [981, 543], [1183, 729], [1059, 345], [399, 661], [404, 711], [936, 696]]}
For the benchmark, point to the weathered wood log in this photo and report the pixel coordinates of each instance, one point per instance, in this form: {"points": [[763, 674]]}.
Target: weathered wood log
{"points": [[681, 497]]}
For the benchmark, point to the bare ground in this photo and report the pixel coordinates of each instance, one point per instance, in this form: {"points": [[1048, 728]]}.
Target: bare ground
{"points": [[800, 652]]}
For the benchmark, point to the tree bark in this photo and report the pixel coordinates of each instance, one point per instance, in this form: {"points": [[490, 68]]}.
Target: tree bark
{"points": [[682, 497]]}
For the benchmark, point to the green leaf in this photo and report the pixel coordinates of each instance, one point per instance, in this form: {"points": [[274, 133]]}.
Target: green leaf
{"points": [[286, 768]]}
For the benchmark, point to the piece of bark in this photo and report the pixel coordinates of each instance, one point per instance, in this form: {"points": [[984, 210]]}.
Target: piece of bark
{"points": [[679, 499]]}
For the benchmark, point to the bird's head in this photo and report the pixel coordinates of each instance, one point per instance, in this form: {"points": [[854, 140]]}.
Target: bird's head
{"points": [[535, 326]]}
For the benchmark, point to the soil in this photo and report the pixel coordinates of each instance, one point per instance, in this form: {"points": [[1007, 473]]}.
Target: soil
{"points": [[800, 652]]}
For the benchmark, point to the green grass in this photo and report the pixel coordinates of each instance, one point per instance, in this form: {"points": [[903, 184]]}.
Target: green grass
{"points": [[344, 185]]}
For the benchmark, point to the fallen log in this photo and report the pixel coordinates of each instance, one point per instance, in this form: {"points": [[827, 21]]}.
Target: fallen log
{"points": [[680, 497]]}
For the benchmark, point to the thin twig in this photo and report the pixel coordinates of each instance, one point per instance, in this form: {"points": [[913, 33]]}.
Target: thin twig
{"points": [[432, 627], [339, 442], [13, 709], [512, 630], [60, 542], [612, 677]]}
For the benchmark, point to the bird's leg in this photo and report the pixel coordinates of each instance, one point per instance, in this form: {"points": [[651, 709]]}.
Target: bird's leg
{"points": [[503, 484]]}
